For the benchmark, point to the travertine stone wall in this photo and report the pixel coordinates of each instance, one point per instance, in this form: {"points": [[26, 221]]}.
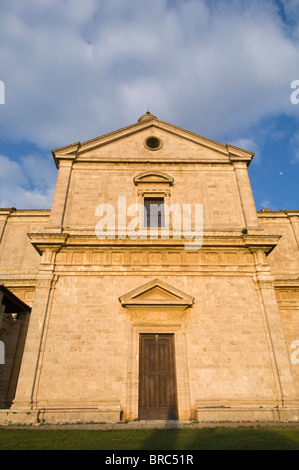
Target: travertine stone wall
{"points": [[19, 261], [214, 187], [233, 345], [284, 262], [86, 355]]}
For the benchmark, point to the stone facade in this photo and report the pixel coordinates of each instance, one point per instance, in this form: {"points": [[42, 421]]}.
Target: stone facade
{"points": [[230, 303]]}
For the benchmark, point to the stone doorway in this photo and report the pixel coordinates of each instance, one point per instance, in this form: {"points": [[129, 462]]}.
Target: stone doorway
{"points": [[157, 377]]}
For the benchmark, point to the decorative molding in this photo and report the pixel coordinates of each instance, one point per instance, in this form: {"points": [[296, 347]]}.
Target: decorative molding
{"points": [[153, 143], [47, 241], [153, 177], [156, 293]]}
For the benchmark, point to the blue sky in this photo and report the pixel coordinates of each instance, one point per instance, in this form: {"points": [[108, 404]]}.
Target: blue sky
{"points": [[74, 70]]}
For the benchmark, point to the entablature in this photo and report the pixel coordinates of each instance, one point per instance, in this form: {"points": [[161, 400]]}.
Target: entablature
{"points": [[55, 241]]}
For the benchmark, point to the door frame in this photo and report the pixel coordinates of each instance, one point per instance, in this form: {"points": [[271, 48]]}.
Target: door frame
{"points": [[170, 374], [181, 365]]}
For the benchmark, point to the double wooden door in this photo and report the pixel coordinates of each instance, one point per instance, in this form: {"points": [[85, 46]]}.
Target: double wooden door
{"points": [[157, 380]]}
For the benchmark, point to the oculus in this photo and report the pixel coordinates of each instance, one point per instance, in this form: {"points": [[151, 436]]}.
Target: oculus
{"points": [[153, 143]]}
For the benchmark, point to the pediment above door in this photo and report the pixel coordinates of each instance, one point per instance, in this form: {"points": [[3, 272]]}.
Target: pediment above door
{"points": [[156, 293]]}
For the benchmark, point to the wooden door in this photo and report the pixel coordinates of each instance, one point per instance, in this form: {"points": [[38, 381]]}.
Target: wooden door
{"points": [[157, 381]]}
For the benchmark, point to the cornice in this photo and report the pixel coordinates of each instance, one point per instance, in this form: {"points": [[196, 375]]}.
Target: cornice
{"points": [[287, 283], [283, 213], [66, 153], [7, 210], [44, 241], [236, 154]]}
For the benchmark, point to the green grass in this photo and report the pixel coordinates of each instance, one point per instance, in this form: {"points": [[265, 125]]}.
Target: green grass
{"points": [[218, 438]]}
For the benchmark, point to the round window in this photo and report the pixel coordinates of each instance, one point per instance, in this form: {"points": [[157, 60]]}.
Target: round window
{"points": [[153, 143]]}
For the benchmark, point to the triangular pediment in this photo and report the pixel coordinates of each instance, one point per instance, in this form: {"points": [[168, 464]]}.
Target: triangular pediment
{"points": [[156, 293], [130, 144]]}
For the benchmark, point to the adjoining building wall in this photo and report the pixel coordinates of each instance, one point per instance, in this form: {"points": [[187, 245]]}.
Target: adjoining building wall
{"points": [[19, 261], [284, 262]]}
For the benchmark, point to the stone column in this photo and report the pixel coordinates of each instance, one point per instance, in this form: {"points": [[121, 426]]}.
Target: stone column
{"points": [[28, 378]]}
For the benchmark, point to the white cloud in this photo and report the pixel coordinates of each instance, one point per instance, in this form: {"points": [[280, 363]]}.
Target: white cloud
{"points": [[265, 204], [27, 184], [11, 173], [74, 70]]}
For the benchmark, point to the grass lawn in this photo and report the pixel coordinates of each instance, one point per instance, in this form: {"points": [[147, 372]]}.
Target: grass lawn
{"points": [[218, 438]]}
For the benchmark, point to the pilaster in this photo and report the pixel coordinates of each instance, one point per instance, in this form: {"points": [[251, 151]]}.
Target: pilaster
{"points": [[4, 214], [245, 191], [64, 159], [31, 363]]}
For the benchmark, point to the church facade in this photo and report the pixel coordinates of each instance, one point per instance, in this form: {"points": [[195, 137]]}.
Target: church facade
{"points": [[152, 288]]}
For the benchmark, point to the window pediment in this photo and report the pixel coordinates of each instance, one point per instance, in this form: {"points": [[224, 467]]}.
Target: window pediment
{"points": [[153, 177]]}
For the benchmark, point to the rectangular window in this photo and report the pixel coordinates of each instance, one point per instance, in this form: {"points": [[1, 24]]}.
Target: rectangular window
{"points": [[154, 215]]}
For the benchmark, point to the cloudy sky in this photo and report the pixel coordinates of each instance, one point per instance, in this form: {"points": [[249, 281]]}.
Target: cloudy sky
{"points": [[76, 69]]}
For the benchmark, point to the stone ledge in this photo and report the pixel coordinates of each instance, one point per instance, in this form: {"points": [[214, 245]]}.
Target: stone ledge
{"points": [[61, 416], [218, 414]]}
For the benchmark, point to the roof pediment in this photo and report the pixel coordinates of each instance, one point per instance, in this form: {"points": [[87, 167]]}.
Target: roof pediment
{"points": [[141, 130], [128, 144]]}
